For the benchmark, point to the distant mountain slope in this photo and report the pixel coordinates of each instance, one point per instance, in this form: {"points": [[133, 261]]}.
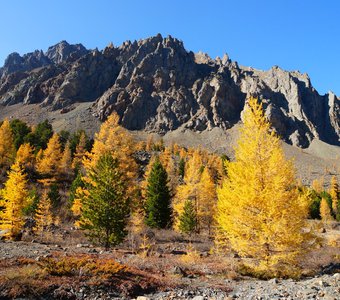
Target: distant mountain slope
{"points": [[156, 85]]}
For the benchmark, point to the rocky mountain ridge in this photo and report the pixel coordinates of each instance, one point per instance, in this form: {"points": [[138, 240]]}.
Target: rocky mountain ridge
{"points": [[156, 85]]}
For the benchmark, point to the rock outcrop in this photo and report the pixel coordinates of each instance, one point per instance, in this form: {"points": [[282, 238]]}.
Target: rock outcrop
{"points": [[157, 86]]}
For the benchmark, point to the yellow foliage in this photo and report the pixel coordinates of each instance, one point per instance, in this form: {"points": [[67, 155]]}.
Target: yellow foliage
{"points": [[199, 188], [65, 162], [7, 149], [80, 151], [206, 200], [25, 156], [334, 192], [318, 185], [144, 183], [14, 197], [260, 211], [76, 206], [43, 216], [114, 139], [137, 221], [168, 162], [145, 247], [48, 163], [191, 257], [149, 143], [325, 211]]}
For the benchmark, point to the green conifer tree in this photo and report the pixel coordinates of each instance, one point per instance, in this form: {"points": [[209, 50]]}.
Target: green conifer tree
{"points": [[188, 218], [105, 203], [157, 205]]}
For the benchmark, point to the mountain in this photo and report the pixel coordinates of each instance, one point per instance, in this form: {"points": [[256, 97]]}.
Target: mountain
{"points": [[156, 85]]}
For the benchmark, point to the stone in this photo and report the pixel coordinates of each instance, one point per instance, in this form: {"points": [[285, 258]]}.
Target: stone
{"points": [[198, 298], [274, 280], [143, 298]]}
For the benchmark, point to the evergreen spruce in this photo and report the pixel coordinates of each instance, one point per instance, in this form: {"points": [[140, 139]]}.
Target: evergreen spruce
{"points": [[105, 203], [157, 206], [188, 219]]}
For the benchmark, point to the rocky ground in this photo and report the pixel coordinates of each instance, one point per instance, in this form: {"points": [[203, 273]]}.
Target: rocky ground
{"points": [[163, 268]]}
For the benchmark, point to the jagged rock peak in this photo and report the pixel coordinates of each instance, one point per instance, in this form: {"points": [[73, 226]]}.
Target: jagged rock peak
{"points": [[63, 51], [156, 85]]}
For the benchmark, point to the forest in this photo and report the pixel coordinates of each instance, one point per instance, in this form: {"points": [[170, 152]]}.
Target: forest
{"points": [[112, 186]]}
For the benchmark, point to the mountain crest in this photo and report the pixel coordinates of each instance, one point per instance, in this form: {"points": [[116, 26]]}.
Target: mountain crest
{"points": [[156, 85]]}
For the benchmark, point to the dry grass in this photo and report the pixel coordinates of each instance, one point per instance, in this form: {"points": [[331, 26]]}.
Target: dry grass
{"points": [[30, 278]]}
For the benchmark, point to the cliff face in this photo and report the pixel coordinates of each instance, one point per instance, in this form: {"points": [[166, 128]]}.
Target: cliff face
{"points": [[157, 86]]}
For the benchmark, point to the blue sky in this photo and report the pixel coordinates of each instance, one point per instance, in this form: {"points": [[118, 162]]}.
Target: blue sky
{"points": [[294, 34]]}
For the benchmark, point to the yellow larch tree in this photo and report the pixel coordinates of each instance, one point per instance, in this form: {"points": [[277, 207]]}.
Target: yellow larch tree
{"points": [[14, 197], [189, 190], [206, 200], [80, 151], [49, 163], [7, 148], [25, 157], [149, 143], [325, 211], [43, 215], [334, 192], [144, 183], [65, 166], [167, 160], [260, 211], [114, 139], [318, 184]]}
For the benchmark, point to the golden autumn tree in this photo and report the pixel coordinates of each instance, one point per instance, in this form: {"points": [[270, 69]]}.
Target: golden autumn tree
{"points": [[80, 151], [7, 148], [260, 212], [206, 200], [114, 139], [49, 163], [168, 162], [325, 211], [14, 197], [43, 215], [198, 188], [189, 190], [334, 192], [65, 167], [25, 157]]}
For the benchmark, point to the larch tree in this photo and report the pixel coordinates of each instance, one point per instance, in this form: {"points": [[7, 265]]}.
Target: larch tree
{"points": [[260, 211], [7, 148], [105, 204], [325, 211], [168, 163], [25, 157], [149, 143], [14, 197], [114, 139], [65, 168], [80, 152], [43, 215], [206, 200], [334, 192], [157, 205], [198, 187], [190, 189], [49, 163]]}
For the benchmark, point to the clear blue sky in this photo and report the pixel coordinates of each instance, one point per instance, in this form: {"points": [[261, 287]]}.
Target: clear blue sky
{"points": [[299, 35]]}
